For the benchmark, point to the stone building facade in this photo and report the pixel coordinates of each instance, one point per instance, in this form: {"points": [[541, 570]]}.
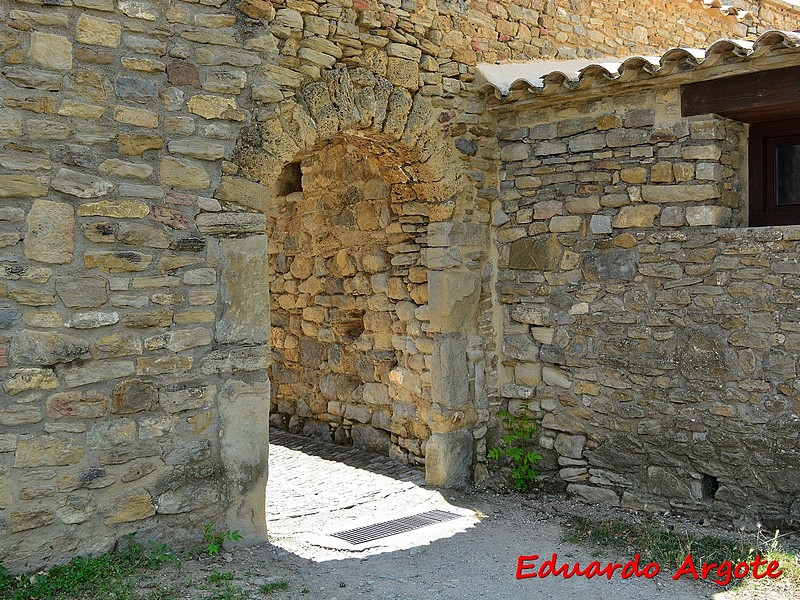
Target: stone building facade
{"points": [[210, 207]]}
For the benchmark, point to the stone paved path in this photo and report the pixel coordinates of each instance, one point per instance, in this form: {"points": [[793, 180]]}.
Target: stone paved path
{"points": [[315, 489]]}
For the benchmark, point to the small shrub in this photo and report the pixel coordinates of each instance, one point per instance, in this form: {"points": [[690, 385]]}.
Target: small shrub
{"points": [[520, 431], [215, 539]]}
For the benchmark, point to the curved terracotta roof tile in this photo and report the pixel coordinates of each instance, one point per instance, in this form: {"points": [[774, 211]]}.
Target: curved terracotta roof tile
{"points": [[558, 76]]}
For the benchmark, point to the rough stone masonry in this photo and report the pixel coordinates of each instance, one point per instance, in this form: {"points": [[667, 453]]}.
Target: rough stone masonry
{"points": [[197, 194]]}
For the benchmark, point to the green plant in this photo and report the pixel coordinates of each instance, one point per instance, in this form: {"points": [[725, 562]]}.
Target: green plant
{"points": [[216, 576], [520, 431], [106, 576], [215, 539], [273, 586]]}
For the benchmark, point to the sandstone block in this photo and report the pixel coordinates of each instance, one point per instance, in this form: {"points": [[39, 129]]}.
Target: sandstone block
{"points": [[46, 451], [183, 173], [200, 150], [21, 186], [24, 379], [117, 262], [51, 51], [78, 405], [118, 209], [82, 292], [680, 193], [25, 520], [139, 117], [215, 107], [162, 365], [540, 253], [636, 216], [47, 348], [610, 264], [716, 216], [97, 371], [243, 278], [133, 396], [80, 185], [135, 145], [50, 232], [448, 457], [98, 32], [131, 507]]}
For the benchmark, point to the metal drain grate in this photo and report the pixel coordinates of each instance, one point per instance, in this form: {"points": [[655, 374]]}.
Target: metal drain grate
{"points": [[361, 535]]}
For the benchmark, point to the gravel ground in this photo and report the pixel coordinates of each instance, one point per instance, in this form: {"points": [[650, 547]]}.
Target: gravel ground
{"points": [[317, 489]]}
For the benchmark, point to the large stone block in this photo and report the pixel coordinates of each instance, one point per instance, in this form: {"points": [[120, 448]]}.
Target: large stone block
{"points": [[245, 291], [50, 235], [541, 253], [449, 372], [453, 299], [244, 412], [448, 457], [47, 348], [51, 51], [601, 265], [46, 451]]}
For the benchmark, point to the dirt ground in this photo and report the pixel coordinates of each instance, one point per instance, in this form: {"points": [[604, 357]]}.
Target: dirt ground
{"points": [[316, 490], [479, 562]]}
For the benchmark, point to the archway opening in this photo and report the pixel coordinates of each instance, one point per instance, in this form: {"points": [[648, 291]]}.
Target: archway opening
{"points": [[350, 322]]}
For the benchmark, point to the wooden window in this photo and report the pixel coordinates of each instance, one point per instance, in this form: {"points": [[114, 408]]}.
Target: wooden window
{"points": [[770, 103], [774, 150]]}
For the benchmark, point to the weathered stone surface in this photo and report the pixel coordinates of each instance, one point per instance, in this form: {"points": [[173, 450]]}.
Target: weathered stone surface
{"points": [[92, 320], [215, 107], [21, 186], [636, 216], [133, 396], [184, 173], [244, 451], [133, 506], [230, 224], [137, 144], [449, 373], [36, 79], [680, 193], [24, 379], [118, 209], [594, 495], [25, 520], [81, 185], [51, 51], [702, 357], [197, 149], [46, 451], [117, 262], [98, 32], [244, 321], [453, 299], [78, 405], [97, 371], [570, 446], [610, 264], [82, 291], [47, 348], [448, 458], [541, 253]]}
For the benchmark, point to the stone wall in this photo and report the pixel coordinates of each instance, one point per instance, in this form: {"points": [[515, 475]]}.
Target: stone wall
{"points": [[650, 332], [349, 310], [144, 145]]}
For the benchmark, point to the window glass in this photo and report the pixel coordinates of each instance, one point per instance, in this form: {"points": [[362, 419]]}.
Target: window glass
{"points": [[787, 174]]}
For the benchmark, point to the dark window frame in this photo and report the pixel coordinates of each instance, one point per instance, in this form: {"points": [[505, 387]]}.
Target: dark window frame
{"points": [[763, 139]]}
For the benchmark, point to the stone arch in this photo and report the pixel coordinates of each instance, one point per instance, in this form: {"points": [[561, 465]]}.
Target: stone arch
{"points": [[398, 131], [402, 139]]}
